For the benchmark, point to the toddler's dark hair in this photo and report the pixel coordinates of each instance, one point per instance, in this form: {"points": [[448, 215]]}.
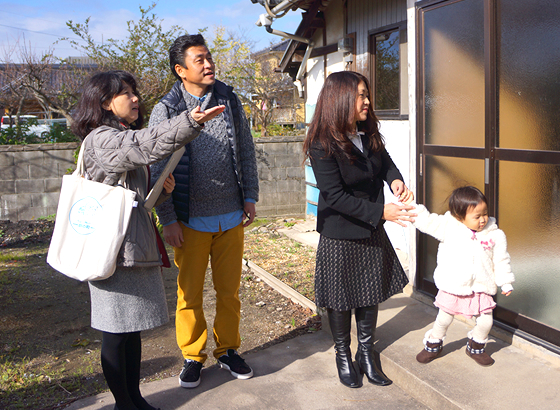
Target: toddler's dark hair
{"points": [[464, 198]]}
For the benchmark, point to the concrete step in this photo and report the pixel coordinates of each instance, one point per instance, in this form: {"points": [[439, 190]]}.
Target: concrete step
{"points": [[517, 380]]}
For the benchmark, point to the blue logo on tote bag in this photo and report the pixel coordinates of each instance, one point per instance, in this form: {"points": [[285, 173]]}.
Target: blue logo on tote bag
{"points": [[84, 215]]}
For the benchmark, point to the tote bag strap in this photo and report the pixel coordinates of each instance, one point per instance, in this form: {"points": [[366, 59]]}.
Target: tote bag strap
{"points": [[81, 171]]}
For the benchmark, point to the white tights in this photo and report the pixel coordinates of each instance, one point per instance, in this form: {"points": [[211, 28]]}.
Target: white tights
{"points": [[479, 333]]}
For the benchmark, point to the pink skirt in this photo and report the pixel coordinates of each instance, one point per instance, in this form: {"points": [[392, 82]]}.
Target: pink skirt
{"points": [[468, 306]]}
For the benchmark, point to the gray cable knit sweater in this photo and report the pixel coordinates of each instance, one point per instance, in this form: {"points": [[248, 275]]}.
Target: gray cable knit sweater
{"points": [[213, 189]]}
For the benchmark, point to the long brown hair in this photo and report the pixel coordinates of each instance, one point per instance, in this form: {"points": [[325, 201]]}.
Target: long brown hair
{"points": [[334, 115]]}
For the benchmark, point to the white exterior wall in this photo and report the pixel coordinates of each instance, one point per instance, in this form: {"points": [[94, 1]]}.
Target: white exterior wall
{"points": [[314, 82], [316, 78], [396, 135]]}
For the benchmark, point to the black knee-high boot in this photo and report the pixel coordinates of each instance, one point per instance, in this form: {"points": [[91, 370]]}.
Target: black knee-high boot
{"points": [[340, 328], [366, 322]]}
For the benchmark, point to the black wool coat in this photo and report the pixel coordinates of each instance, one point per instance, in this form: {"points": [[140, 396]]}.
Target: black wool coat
{"points": [[351, 199]]}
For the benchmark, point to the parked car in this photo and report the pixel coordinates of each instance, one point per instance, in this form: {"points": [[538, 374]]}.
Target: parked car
{"points": [[38, 127]]}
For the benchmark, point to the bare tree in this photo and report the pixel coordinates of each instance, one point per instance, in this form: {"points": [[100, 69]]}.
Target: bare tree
{"points": [[144, 52], [12, 96], [54, 85], [252, 75]]}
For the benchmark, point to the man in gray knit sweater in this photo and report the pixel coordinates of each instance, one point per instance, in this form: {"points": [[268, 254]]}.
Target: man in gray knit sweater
{"points": [[214, 198]]}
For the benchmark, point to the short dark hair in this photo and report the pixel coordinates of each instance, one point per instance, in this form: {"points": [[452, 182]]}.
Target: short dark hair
{"points": [[464, 198], [179, 48], [98, 89]]}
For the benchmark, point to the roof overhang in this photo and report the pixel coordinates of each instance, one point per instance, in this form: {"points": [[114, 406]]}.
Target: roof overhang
{"points": [[312, 19]]}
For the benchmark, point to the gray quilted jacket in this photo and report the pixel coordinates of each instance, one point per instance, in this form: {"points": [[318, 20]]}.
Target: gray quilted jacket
{"points": [[109, 152]]}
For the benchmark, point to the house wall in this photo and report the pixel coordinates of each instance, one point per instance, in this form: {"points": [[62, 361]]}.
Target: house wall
{"points": [[319, 68], [396, 135], [364, 16], [30, 179], [31, 176]]}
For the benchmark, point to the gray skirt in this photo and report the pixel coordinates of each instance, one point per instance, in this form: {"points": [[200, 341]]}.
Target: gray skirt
{"points": [[357, 273], [131, 300]]}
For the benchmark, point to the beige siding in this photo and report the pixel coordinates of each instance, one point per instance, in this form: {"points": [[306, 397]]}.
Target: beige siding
{"points": [[367, 15], [335, 22]]}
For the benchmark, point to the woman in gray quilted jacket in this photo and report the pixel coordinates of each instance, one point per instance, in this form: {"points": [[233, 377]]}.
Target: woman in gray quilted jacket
{"points": [[108, 119]]}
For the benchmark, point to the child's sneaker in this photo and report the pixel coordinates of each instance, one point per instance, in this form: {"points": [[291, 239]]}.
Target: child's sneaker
{"points": [[235, 364], [190, 375]]}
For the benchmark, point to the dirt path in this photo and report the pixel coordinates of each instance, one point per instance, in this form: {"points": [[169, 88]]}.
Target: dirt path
{"points": [[49, 355]]}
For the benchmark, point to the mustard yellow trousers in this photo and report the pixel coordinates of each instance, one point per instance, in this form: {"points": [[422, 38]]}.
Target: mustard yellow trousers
{"points": [[225, 250]]}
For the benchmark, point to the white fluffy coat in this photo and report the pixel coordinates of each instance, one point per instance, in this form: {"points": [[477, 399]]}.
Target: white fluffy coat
{"points": [[467, 261]]}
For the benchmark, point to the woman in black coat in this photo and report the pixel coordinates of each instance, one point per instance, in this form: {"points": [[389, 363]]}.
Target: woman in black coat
{"points": [[357, 267]]}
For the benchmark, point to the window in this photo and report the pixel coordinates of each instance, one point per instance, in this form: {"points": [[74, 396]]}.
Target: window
{"points": [[389, 76]]}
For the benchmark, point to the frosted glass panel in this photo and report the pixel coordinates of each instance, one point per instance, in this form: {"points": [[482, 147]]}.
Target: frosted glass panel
{"points": [[454, 74], [529, 90], [443, 175], [529, 211]]}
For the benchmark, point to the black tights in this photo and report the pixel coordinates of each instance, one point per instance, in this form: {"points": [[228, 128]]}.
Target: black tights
{"points": [[121, 354]]}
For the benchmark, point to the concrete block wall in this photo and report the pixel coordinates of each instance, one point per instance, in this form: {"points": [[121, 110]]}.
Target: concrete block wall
{"points": [[31, 176], [30, 179], [281, 176]]}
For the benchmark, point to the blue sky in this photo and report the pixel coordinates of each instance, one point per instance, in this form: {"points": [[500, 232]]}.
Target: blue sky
{"points": [[42, 22]]}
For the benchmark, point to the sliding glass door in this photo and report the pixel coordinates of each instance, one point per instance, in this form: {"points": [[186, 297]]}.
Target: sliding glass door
{"points": [[488, 104]]}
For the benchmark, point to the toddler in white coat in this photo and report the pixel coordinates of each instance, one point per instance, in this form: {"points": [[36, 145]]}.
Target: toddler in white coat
{"points": [[472, 261]]}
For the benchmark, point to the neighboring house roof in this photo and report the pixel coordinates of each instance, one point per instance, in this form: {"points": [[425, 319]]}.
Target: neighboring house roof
{"points": [[273, 48], [58, 73]]}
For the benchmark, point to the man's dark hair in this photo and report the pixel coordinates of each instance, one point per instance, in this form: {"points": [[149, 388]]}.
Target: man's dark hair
{"points": [[179, 48], [464, 198]]}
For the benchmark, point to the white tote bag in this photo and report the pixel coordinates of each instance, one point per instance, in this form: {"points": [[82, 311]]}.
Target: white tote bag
{"points": [[91, 221]]}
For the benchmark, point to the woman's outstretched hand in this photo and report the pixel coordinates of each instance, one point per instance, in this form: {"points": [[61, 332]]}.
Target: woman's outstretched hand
{"points": [[202, 116], [398, 213]]}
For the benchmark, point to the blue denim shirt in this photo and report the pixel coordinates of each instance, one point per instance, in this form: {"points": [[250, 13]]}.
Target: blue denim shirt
{"points": [[215, 223]]}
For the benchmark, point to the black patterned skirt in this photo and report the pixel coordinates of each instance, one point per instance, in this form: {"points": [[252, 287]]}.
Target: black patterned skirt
{"points": [[353, 273]]}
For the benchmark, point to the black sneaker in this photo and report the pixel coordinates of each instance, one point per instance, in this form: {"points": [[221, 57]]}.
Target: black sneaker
{"points": [[235, 364], [190, 375]]}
